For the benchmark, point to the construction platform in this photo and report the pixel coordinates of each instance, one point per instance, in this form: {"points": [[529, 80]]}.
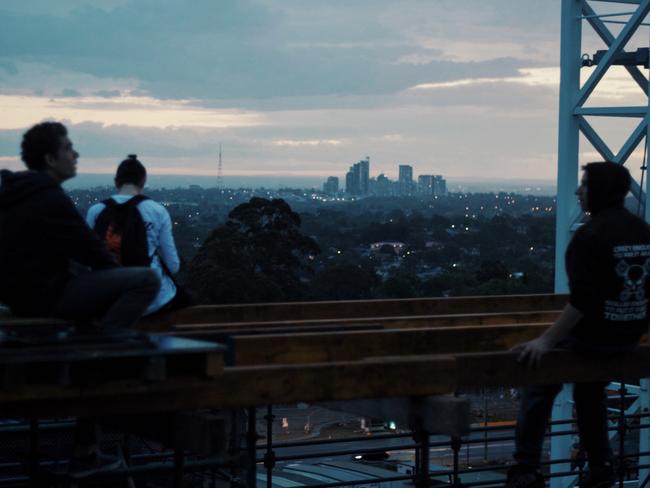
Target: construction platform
{"points": [[399, 359]]}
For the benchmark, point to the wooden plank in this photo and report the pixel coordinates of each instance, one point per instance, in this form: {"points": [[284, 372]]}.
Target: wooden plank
{"points": [[222, 334], [348, 346], [241, 387], [209, 331], [372, 378], [83, 359], [259, 312], [12, 320], [502, 369]]}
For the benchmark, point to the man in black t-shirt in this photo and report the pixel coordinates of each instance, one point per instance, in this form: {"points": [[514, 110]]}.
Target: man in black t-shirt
{"points": [[608, 266]]}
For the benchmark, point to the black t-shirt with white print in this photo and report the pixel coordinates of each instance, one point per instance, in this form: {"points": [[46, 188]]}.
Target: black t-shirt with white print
{"points": [[608, 264]]}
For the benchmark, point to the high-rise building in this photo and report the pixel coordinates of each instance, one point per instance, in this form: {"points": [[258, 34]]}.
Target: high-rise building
{"points": [[383, 186], [439, 186], [364, 175], [426, 185], [432, 185], [357, 179], [331, 186], [405, 179], [352, 181]]}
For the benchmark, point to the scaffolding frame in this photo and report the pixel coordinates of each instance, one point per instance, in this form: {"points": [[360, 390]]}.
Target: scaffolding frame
{"points": [[572, 123]]}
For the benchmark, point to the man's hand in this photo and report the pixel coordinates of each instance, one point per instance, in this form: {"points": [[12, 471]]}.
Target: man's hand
{"points": [[531, 352]]}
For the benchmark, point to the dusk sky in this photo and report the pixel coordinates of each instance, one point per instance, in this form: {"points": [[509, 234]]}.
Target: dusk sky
{"points": [[294, 87]]}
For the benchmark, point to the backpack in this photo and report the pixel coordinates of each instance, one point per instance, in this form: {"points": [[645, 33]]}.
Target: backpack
{"points": [[121, 227]]}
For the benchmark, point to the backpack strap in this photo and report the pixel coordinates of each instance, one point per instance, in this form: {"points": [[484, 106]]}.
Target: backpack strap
{"points": [[138, 198], [135, 200], [109, 202]]}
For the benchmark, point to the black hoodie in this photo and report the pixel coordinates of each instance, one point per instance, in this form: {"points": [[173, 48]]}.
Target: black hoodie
{"points": [[41, 233], [608, 264]]}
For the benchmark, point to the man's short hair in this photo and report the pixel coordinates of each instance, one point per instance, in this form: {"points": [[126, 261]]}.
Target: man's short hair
{"points": [[130, 171], [40, 140], [607, 185]]}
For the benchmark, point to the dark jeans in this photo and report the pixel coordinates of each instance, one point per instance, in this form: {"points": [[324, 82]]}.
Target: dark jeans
{"points": [[116, 297], [591, 412], [590, 403]]}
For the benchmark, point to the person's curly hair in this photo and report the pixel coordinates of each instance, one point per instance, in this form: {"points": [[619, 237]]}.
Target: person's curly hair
{"points": [[41, 139]]}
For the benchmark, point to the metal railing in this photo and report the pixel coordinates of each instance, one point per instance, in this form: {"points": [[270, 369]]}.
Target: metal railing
{"points": [[271, 456]]}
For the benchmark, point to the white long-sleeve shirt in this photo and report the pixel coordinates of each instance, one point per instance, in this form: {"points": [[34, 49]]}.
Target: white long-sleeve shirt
{"points": [[160, 242]]}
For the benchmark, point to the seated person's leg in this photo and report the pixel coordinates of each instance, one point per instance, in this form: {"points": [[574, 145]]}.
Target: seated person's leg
{"points": [[534, 412], [591, 412], [116, 297]]}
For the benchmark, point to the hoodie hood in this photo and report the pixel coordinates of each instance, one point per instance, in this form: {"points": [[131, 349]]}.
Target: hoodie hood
{"points": [[18, 186], [607, 185]]}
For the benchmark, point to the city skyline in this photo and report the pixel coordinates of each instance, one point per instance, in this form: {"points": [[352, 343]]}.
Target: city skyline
{"points": [[359, 182], [293, 87]]}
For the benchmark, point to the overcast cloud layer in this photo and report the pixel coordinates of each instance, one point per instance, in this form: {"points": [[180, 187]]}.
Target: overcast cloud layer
{"points": [[303, 87]]}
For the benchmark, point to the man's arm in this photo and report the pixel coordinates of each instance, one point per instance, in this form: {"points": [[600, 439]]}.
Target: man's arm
{"points": [[72, 236], [531, 352]]}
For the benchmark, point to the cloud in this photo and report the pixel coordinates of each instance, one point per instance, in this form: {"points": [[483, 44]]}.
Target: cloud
{"points": [[307, 142], [235, 49], [107, 93], [22, 111], [70, 92]]}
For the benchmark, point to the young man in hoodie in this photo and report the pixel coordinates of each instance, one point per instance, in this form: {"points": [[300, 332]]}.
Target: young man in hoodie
{"points": [[53, 264], [608, 266]]}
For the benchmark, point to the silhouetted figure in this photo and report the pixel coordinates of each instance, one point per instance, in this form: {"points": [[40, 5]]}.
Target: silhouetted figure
{"points": [[53, 264], [608, 265], [138, 231]]}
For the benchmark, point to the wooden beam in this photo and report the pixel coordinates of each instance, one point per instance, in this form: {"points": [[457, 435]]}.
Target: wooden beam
{"points": [[354, 309], [363, 323], [373, 378], [349, 346], [241, 387], [502, 369]]}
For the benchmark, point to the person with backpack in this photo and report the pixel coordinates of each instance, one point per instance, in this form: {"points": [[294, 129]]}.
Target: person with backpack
{"points": [[138, 232]]}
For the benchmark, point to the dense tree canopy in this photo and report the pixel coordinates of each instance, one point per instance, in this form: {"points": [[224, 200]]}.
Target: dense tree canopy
{"points": [[258, 255]]}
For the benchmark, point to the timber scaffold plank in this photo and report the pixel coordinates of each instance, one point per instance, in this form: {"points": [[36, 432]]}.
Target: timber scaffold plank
{"points": [[365, 349], [297, 311], [384, 377]]}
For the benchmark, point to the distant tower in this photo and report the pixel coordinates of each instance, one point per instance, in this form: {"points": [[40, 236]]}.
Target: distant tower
{"points": [[220, 171]]}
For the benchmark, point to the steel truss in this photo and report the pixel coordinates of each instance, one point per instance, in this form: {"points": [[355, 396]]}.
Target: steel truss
{"points": [[572, 123]]}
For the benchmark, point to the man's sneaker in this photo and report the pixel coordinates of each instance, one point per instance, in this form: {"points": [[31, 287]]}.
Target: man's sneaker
{"points": [[520, 476], [599, 476], [83, 467]]}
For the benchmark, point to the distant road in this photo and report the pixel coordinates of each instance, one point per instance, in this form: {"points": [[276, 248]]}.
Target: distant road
{"points": [[474, 453]]}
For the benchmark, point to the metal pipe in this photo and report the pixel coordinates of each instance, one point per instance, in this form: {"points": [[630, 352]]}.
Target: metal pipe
{"points": [[179, 465], [251, 441], [621, 436], [269, 457], [33, 452]]}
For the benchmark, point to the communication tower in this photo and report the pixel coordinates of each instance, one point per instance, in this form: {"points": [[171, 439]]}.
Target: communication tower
{"points": [[220, 171]]}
